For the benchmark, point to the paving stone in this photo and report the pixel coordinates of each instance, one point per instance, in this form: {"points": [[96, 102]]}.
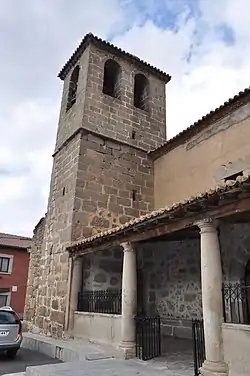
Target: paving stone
{"points": [[68, 350], [15, 374], [177, 361], [108, 367]]}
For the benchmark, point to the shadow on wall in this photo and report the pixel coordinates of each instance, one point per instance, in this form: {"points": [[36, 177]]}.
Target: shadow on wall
{"points": [[103, 270], [171, 275]]}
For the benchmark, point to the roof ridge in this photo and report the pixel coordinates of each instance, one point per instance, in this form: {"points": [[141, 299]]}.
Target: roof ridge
{"points": [[88, 38], [4, 235]]}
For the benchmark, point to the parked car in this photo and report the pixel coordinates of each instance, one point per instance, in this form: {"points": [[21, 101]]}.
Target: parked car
{"points": [[10, 332]]}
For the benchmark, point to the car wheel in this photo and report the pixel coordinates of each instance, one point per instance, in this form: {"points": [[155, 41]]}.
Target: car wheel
{"points": [[11, 354]]}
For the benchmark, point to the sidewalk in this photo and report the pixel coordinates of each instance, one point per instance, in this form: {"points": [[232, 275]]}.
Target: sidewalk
{"points": [[70, 350], [106, 367], [87, 358]]}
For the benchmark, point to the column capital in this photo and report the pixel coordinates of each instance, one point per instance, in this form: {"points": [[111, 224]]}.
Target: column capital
{"points": [[76, 260], [207, 225], [127, 247]]}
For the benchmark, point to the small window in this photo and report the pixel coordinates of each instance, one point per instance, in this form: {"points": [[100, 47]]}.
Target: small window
{"points": [[134, 195], [3, 300], [141, 92], [112, 78], [234, 176], [73, 83], [133, 135], [4, 264]]}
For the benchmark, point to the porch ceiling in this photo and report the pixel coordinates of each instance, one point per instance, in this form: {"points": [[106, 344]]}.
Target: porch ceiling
{"points": [[240, 217], [223, 201], [184, 234], [193, 231]]}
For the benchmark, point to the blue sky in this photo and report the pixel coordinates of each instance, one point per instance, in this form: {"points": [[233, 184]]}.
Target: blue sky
{"points": [[203, 44]]}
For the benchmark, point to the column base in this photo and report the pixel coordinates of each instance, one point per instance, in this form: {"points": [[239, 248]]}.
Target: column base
{"points": [[128, 349], [68, 335], [214, 369]]}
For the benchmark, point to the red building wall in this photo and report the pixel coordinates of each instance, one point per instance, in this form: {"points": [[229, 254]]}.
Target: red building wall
{"points": [[18, 277]]}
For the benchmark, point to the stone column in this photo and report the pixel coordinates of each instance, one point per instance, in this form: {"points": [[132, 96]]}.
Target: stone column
{"points": [[129, 300], [75, 288], [211, 279]]}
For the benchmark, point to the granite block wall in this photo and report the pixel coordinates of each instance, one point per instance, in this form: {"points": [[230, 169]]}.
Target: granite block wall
{"points": [[103, 270], [171, 273]]}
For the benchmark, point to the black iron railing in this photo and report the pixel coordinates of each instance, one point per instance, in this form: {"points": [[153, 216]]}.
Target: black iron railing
{"points": [[148, 337], [198, 345], [100, 301], [236, 303]]}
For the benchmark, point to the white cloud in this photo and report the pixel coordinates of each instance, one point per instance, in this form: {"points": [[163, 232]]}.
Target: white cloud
{"points": [[216, 71], [39, 36]]}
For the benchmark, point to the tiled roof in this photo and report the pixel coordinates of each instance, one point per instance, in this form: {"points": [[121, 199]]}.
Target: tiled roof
{"points": [[206, 120], [90, 38], [193, 204], [16, 241]]}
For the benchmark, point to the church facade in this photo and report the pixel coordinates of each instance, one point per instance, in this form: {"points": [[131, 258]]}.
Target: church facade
{"points": [[165, 224]]}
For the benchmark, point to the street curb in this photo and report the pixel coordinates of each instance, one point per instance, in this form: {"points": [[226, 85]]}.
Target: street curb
{"points": [[50, 349]]}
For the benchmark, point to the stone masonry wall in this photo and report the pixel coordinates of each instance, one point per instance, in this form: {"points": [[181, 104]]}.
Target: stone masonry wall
{"points": [[103, 270], [96, 184], [171, 272], [117, 118], [113, 117], [71, 120], [235, 248], [34, 276], [114, 184], [53, 285]]}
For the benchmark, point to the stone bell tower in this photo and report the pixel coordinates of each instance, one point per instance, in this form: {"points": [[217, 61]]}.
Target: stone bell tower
{"points": [[112, 113]]}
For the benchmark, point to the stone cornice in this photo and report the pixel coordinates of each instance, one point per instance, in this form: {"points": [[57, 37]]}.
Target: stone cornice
{"points": [[84, 130]]}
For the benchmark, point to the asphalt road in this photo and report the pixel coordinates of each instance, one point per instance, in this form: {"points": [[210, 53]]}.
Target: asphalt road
{"points": [[23, 359]]}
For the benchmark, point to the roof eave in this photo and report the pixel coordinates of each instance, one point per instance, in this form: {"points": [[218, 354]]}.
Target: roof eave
{"points": [[90, 38], [11, 246], [208, 119], [193, 206]]}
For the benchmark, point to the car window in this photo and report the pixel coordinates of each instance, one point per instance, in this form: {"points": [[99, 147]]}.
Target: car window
{"points": [[8, 318]]}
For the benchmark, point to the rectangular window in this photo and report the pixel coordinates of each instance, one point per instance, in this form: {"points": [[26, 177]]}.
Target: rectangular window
{"points": [[4, 264], [3, 300], [5, 296]]}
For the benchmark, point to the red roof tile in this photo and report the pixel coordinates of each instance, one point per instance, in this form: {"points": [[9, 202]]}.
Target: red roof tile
{"points": [[17, 241], [90, 38], [228, 186]]}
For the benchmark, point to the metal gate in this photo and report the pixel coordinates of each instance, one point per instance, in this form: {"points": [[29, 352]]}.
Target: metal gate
{"points": [[148, 337], [198, 345]]}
